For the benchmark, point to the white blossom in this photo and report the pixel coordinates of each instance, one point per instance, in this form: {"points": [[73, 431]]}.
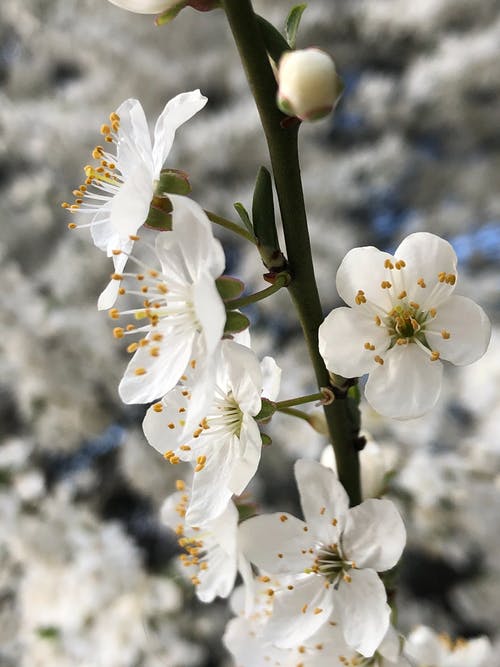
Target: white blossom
{"points": [[211, 556], [183, 310], [402, 319], [225, 446], [334, 557], [425, 648], [117, 193]]}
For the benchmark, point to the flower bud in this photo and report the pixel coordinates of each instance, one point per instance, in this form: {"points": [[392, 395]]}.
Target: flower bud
{"points": [[309, 87], [170, 7]]}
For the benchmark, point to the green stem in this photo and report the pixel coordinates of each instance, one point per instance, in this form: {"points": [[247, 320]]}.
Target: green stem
{"points": [[295, 413], [282, 144], [232, 226], [280, 282], [300, 400]]}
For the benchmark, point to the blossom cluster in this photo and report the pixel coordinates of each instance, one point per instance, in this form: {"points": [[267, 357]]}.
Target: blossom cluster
{"points": [[318, 591]]}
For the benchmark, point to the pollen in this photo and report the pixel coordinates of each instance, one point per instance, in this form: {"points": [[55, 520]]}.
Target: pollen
{"points": [[385, 284], [114, 313], [118, 332], [180, 485], [134, 237], [379, 360], [421, 283], [132, 347], [445, 334], [140, 371], [435, 355], [283, 518], [369, 346], [388, 264], [400, 264], [158, 407], [171, 425], [304, 608], [378, 321], [360, 297], [402, 295]]}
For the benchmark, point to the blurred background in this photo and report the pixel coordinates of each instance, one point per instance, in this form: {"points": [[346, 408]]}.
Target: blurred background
{"points": [[88, 576]]}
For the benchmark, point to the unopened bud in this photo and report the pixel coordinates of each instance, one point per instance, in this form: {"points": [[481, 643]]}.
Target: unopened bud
{"points": [[309, 87], [167, 8]]}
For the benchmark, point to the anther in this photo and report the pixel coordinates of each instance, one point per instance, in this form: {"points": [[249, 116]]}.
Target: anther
{"points": [[378, 321], [369, 346], [445, 334], [402, 295], [388, 264], [132, 348], [385, 284], [71, 225], [414, 305], [379, 360], [118, 332], [134, 237], [158, 407], [116, 276], [140, 371], [435, 355], [360, 297], [421, 282], [400, 264], [114, 313], [105, 130]]}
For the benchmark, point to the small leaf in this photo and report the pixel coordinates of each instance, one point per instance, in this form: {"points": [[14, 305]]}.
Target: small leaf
{"points": [[229, 287], [274, 41], [266, 440], [292, 24], [245, 218], [236, 322], [267, 410]]}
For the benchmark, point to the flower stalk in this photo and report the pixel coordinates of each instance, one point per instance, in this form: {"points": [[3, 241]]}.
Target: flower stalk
{"points": [[283, 150], [281, 281], [232, 226]]}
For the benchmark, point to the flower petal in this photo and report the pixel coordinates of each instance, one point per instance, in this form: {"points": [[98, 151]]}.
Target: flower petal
{"points": [[407, 385], [271, 378], [363, 269], [363, 610], [424, 646], [143, 6], [134, 142], [250, 447], [164, 430], [277, 543], [343, 340], [244, 377], [469, 329], [323, 500], [374, 535], [109, 295], [426, 256], [473, 653], [209, 310], [298, 613], [247, 647], [176, 112], [130, 205]]}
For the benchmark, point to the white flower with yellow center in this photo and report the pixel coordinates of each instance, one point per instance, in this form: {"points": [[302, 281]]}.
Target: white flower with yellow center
{"points": [[117, 193], [225, 446], [425, 648], [403, 318], [334, 558], [211, 555], [182, 311]]}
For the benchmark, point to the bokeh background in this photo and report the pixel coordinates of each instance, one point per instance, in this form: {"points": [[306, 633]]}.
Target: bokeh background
{"points": [[88, 576]]}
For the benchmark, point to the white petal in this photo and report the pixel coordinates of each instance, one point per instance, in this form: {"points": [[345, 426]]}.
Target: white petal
{"points": [[134, 142], [162, 372], [374, 535], [164, 430], [277, 543], [300, 612], [469, 327], [130, 205], [342, 339], [210, 311], [363, 269], [407, 385], [271, 378], [144, 6], [363, 610], [426, 256], [323, 500], [244, 376], [176, 112], [248, 648], [109, 295], [390, 648], [424, 646], [250, 447]]}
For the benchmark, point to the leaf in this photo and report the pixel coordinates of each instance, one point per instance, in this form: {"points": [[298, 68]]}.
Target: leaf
{"points": [[229, 287], [244, 217], [292, 24], [236, 322], [266, 440], [274, 41]]}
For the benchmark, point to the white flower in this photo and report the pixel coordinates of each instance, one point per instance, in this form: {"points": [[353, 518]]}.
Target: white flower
{"points": [[425, 648], [225, 446], [309, 87], [377, 462], [180, 304], [146, 6], [403, 318], [212, 555], [334, 557], [118, 191]]}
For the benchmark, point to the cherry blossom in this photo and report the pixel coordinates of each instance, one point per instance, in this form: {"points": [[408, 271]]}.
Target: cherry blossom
{"points": [[183, 312], [225, 445], [425, 648], [334, 557], [211, 550], [402, 319], [117, 193]]}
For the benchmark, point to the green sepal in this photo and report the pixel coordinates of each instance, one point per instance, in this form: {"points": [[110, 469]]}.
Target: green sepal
{"points": [[245, 510], [292, 24], [235, 322], [173, 181], [274, 41], [266, 440], [244, 217], [267, 410], [48, 632], [170, 14], [160, 214], [229, 288]]}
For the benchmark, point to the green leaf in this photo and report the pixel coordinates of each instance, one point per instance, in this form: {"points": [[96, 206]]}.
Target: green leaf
{"points": [[236, 322], [267, 410], [266, 440], [244, 217], [274, 41], [292, 24], [229, 287], [264, 223]]}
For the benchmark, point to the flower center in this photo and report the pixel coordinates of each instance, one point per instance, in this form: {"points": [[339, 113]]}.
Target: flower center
{"points": [[331, 563], [227, 413]]}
